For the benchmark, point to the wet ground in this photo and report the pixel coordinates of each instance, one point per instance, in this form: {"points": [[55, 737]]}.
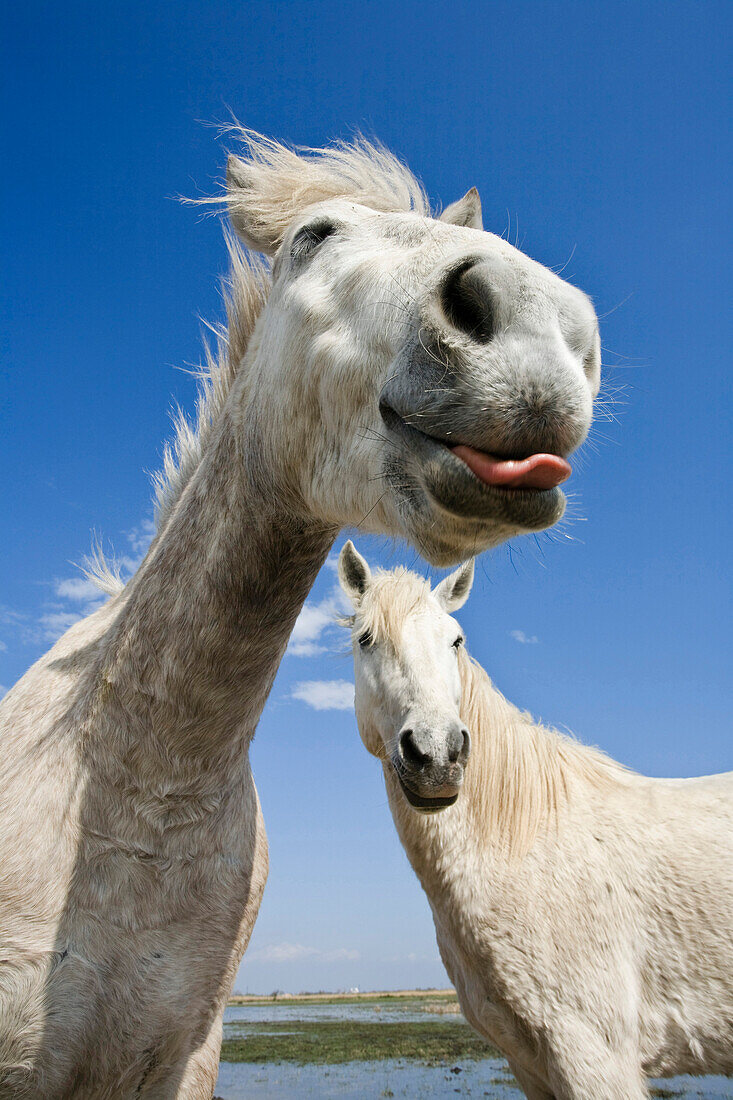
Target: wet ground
{"points": [[321, 1052]]}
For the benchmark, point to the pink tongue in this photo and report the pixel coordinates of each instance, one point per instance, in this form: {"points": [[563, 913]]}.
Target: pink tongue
{"points": [[535, 472]]}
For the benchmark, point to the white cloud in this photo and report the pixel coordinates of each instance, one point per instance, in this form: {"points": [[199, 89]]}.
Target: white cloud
{"points": [[74, 597], [55, 623], [339, 954], [141, 537], [83, 594], [306, 649], [78, 589], [3, 690], [291, 952], [316, 619], [325, 694], [525, 639], [280, 952]]}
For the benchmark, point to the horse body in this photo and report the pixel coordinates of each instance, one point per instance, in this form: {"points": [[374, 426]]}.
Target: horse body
{"points": [[132, 851], [583, 912], [133, 886], [601, 957]]}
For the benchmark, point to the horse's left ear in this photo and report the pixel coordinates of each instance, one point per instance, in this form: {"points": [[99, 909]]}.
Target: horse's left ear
{"points": [[254, 218], [354, 573], [467, 211], [452, 592]]}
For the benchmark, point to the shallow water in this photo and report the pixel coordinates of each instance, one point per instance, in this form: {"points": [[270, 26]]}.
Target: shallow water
{"points": [[364, 1012], [387, 1078], [374, 1080], [365, 1080]]}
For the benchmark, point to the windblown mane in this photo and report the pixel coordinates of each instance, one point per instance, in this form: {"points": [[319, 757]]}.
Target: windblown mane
{"points": [[272, 184], [518, 775], [275, 184], [245, 291]]}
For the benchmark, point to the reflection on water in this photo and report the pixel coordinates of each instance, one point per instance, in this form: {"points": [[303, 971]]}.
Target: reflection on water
{"points": [[387, 1078], [365, 1080]]}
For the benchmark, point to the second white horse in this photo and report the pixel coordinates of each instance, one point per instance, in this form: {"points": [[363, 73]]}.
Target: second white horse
{"points": [[583, 912]]}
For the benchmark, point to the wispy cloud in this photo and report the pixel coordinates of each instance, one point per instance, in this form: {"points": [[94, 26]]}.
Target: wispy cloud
{"points": [[76, 597], [292, 952], [55, 623], [139, 539], [77, 589], [79, 596], [525, 639], [71, 598], [316, 620], [325, 694]]}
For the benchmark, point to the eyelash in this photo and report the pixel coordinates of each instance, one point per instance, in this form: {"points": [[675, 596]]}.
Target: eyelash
{"points": [[458, 643], [366, 639], [309, 237]]}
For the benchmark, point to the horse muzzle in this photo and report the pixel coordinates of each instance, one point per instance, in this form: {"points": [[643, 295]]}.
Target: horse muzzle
{"points": [[430, 767]]}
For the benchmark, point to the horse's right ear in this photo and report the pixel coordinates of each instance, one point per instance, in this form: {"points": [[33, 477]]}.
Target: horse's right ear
{"points": [[354, 573], [244, 200], [453, 590], [466, 211]]}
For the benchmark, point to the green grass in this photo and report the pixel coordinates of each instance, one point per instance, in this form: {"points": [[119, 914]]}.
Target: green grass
{"points": [[328, 1042]]}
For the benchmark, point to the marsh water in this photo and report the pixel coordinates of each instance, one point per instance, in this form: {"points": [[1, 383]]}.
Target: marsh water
{"points": [[298, 1077]]}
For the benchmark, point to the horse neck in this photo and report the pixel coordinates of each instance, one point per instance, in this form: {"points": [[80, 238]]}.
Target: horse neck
{"points": [[438, 846], [207, 617]]}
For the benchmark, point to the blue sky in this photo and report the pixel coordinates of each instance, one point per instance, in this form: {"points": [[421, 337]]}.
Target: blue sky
{"points": [[598, 135]]}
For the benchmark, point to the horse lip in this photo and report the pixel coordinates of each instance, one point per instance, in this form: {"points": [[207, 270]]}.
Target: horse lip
{"points": [[480, 500], [393, 419], [414, 437], [421, 802]]}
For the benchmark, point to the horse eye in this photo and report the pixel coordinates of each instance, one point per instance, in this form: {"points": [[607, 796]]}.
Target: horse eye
{"points": [[366, 639], [308, 238], [458, 642]]}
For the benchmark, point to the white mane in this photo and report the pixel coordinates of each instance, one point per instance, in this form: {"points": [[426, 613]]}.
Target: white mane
{"points": [[518, 776], [245, 291], [282, 183], [275, 184], [271, 185]]}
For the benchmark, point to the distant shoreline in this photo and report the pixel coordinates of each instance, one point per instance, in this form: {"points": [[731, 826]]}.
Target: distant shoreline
{"points": [[315, 998]]}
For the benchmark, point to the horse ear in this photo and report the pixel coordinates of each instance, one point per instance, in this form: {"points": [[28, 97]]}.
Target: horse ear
{"points": [[354, 573], [245, 208], [467, 211], [452, 592]]}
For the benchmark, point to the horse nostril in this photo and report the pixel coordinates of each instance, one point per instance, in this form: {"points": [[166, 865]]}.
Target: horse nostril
{"points": [[410, 752], [467, 302], [459, 746]]}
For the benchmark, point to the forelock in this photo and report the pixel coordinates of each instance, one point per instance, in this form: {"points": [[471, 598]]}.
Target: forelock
{"points": [[282, 182], [391, 598]]}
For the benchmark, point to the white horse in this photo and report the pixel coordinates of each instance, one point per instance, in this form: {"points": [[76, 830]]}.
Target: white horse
{"points": [[399, 373], [583, 912]]}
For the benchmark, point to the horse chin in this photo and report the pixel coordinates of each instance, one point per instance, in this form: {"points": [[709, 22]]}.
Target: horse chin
{"points": [[423, 804], [434, 483]]}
